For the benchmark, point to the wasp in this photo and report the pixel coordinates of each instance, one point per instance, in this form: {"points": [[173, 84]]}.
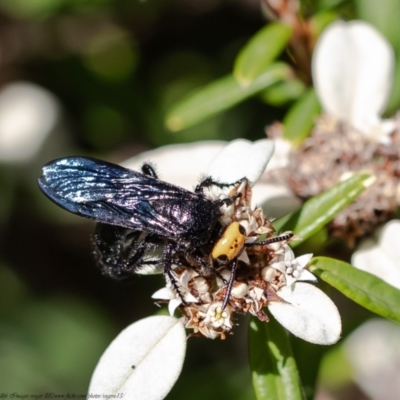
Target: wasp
{"points": [[146, 225]]}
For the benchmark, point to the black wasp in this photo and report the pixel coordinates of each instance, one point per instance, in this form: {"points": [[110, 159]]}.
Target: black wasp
{"points": [[145, 224]]}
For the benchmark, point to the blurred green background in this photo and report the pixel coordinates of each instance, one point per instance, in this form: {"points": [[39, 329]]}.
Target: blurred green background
{"points": [[111, 69]]}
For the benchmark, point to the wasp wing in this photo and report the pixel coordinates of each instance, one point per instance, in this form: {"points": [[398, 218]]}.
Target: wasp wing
{"points": [[112, 194]]}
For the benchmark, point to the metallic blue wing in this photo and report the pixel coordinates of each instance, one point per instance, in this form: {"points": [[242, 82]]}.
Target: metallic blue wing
{"points": [[115, 195]]}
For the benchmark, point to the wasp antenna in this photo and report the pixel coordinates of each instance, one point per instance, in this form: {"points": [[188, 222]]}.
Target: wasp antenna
{"points": [[276, 239], [230, 284]]}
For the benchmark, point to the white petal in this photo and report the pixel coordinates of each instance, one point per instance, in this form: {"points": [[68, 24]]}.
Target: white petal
{"points": [[373, 350], [352, 71], [241, 159], [381, 258], [280, 158], [306, 275], [309, 314], [189, 298], [180, 164], [143, 362], [303, 260], [172, 306], [277, 200], [290, 280], [163, 294], [389, 240], [280, 266], [371, 258], [28, 115], [244, 257], [377, 129], [289, 255]]}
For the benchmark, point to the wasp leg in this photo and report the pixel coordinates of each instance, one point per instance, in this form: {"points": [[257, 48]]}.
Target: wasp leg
{"points": [[121, 252], [149, 170], [228, 201], [207, 182], [167, 264], [280, 238], [230, 283]]}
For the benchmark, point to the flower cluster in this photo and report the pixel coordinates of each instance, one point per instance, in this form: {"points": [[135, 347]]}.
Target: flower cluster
{"points": [[262, 271], [352, 71], [338, 149]]}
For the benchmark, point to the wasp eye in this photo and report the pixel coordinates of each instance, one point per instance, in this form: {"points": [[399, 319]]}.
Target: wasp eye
{"points": [[242, 230], [223, 258]]}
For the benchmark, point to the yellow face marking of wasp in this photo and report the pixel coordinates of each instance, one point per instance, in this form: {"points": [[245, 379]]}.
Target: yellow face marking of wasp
{"points": [[230, 243]]}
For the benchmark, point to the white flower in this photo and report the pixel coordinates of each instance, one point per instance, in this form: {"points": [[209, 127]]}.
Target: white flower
{"points": [[281, 200], [186, 164], [373, 351], [180, 164], [185, 295], [28, 115], [380, 256], [174, 301], [217, 317], [293, 268], [280, 158], [306, 312], [352, 69], [243, 158]]}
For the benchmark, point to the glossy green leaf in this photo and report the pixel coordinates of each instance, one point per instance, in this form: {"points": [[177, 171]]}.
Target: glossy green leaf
{"points": [[283, 92], [273, 367], [363, 288], [260, 52], [219, 96], [300, 119], [319, 210]]}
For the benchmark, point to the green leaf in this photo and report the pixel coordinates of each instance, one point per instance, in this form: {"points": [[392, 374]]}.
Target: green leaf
{"points": [[260, 51], [283, 92], [274, 371], [300, 119], [321, 20], [384, 15], [328, 4], [363, 288], [308, 358], [394, 100], [319, 210], [219, 96]]}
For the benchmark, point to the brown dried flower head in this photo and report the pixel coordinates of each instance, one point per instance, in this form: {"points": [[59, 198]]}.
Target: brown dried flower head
{"points": [[202, 291]]}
